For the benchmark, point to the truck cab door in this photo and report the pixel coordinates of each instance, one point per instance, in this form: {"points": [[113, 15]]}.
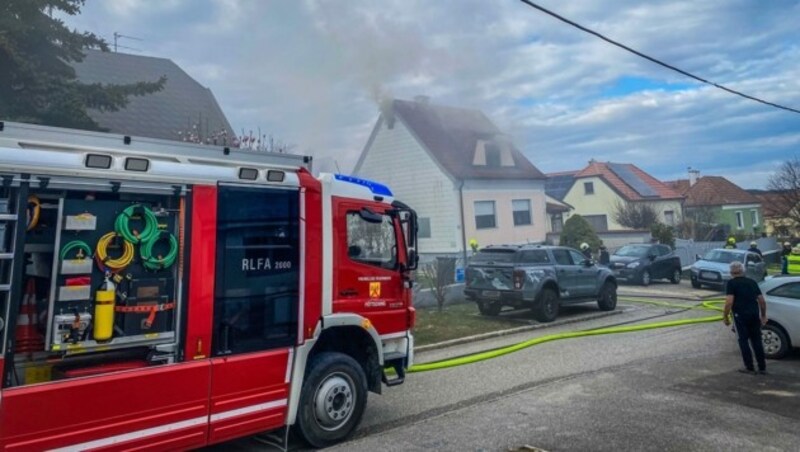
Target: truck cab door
{"points": [[566, 272], [369, 259], [256, 309], [585, 277]]}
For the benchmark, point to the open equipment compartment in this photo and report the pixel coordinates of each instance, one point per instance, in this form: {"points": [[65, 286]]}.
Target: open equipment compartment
{"points": [[101, 284]]}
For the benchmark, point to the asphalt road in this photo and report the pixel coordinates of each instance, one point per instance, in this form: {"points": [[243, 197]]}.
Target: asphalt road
{"points": [[667, 389]]}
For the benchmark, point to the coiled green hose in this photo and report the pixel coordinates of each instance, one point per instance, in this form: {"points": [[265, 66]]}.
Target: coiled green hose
{"points": [[76, 244], [122, 224], [154, 263]]}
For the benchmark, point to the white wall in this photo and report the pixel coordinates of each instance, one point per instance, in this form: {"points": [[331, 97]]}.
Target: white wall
{"points": [[395, 158], [502, 192]]}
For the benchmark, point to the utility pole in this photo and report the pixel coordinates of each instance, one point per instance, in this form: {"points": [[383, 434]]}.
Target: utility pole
{"points": [[118, 36]]}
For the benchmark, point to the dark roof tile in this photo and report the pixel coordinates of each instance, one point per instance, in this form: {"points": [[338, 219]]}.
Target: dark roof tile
{"points": [[451, 136], [159, 115]]}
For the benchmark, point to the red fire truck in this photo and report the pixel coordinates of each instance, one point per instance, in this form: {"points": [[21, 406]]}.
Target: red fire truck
{"points": [[168, 295]]}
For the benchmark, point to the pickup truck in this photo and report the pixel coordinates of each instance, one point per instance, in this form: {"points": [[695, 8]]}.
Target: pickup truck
{"points": [[537, 277], [641, 263]]}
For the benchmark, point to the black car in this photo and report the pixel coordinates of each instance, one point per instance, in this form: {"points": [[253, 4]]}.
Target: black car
{"points": [[642, 263]]}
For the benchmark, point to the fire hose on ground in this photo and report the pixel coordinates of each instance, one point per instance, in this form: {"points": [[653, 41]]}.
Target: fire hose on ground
{"points": [[708, 305]]}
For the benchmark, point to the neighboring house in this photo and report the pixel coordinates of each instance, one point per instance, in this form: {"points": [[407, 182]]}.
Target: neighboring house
{"points": [[556, 187], [720, 201], [462, 175], [776, 209], [183, 106], [595, 192]]}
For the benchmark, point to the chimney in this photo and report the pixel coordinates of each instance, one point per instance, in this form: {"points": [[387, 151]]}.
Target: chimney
{"points": [[693, 176], [386, 106], [422, 99]]}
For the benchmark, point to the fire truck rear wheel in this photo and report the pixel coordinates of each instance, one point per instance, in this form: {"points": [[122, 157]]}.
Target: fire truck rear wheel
{"points": [[332, 400]]}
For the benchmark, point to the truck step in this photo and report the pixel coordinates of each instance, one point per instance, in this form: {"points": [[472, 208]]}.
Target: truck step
{"points": [[395, 362]]}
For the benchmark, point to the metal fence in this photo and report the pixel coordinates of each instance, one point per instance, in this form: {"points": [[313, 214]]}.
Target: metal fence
{"points": [[687, 250]]}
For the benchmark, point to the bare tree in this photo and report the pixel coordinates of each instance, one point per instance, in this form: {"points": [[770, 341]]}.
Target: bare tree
{"points": [[635, 215], [437, 278], [785, 183], [698, 223]]}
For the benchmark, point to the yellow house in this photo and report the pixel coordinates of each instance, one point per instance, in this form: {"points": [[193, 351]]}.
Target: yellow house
{"points": [[596, 191], [777, 213]]}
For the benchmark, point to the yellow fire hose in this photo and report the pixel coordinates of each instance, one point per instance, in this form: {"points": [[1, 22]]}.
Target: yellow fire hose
{"points": [[711, 305]]}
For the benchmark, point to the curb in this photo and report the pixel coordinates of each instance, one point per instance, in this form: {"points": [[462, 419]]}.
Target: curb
{"points": [[493, 334], [638, 294]]}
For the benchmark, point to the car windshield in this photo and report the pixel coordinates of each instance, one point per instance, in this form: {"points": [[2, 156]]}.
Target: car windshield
{"points": [[633, 251], [494, 256], [725, 257]]}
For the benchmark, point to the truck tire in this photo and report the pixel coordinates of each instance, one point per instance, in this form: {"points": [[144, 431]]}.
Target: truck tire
{"points": [[607, 298], [547, 309], [332, 400], [646, 278], [489, 309], [676, 276]]}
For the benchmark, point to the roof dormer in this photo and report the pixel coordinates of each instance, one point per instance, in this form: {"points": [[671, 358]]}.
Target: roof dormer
{"points": [[493, 154]]}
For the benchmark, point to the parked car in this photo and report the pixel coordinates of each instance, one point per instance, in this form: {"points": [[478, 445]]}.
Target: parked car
{"points": [[538, 277], [642, 263], [713, 269], [782, 330]]}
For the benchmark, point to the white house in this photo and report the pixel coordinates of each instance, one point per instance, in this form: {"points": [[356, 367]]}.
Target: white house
{"points": [[464, 177]]}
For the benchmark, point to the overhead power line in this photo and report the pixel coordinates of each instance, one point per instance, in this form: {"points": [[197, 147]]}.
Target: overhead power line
{"points": [[655, 60]]}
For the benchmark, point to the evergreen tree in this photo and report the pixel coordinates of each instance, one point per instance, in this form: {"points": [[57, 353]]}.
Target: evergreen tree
{"points": [[37, 82], [576, 231]]}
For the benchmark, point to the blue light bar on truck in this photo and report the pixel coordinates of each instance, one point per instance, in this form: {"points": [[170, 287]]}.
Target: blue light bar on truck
{"points": [[376, 188]]}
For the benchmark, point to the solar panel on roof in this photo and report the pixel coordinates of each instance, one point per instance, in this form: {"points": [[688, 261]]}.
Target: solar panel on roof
{"points": [[558, 186], [633, 180]]}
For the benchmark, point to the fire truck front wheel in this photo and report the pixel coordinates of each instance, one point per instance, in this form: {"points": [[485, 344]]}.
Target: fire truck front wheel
{"points": [[332, 400]]}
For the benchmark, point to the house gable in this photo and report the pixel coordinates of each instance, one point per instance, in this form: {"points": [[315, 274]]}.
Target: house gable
{"points": [[608, 188], [395, 157]]}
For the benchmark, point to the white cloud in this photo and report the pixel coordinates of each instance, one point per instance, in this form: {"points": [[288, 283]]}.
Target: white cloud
{"points": [[310, 72]]}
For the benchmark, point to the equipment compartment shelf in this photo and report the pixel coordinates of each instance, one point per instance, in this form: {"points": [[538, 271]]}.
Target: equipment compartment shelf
{"points": [[116, 343]]}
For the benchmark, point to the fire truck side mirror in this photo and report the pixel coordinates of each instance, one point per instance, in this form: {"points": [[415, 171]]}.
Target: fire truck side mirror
{"points": [[413, 260]]}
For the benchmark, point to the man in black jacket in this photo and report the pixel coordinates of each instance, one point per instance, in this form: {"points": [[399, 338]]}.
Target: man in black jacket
{"points": [[744, 298]]}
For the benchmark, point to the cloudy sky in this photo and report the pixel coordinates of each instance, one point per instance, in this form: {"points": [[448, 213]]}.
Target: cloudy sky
{"points": [[310, 73]]}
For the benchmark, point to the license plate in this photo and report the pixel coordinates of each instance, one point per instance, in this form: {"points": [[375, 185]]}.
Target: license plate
{"points": [[709, 275], [491, 294]]}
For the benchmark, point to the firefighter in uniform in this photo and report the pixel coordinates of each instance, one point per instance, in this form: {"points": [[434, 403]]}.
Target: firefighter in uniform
{"points": [[793, 261], [785, 252], [604, 258], [586, 250], [731, 243], [754, 248]]}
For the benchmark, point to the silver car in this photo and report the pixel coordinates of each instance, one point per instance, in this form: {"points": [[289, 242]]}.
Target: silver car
{"points": [[783, 310], [713, 269]]}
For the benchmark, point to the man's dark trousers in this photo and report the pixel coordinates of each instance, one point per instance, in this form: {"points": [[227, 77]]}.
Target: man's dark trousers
{"points": [[748, 328]]}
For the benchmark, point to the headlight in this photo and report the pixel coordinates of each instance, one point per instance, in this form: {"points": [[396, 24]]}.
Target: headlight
{"points": [[694, 270], [633, 264]]}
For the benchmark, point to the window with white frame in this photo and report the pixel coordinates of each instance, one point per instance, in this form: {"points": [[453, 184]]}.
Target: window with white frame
{"points": [[754, 217], [588, 188], [598, 222], [522, 212], [556, 222], [669, 217], [423, 228], [484, 215], [739, 219]]}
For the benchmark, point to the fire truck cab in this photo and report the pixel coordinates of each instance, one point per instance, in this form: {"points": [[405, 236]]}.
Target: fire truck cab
{"points": [[168, 295]]}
